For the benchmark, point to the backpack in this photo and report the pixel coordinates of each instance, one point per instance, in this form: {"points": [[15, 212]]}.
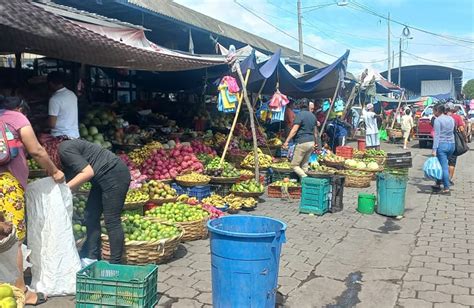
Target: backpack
{"points": [[8, 144]]}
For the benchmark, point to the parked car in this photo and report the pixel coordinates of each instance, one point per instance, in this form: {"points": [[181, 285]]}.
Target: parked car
{"points": [[424, 131]]}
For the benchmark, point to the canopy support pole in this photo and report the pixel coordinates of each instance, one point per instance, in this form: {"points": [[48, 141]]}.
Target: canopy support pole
{"points": [[237, 111], [398, 108], [252, 122], [350, 101], [330, 108]]}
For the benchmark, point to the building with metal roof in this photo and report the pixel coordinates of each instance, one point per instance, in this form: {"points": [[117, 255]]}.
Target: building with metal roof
{"points": [[429, 80], [173, 26]]}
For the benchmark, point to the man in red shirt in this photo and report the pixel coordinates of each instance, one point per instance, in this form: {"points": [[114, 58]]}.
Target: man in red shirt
{"points": [[289, 117], [460, 126]]}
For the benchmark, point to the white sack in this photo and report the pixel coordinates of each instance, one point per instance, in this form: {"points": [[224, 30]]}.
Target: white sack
{"points": [[50, 237], [9, 272]]}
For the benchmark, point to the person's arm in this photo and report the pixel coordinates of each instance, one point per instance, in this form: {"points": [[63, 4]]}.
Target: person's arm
{"points": [[292, 133], [53, 112], [83, 176], [39, 154], [316, 136], [437, 130]]}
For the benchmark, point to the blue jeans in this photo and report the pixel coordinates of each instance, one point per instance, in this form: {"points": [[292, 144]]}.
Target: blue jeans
{"points": [[444, 151]]}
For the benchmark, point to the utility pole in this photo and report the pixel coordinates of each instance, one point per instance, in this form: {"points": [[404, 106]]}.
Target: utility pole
{"points": [[400, 63], [300, 36], [389, 70]]}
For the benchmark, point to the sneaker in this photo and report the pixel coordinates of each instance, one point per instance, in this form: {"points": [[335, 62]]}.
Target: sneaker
{"points": [[86, 262]]}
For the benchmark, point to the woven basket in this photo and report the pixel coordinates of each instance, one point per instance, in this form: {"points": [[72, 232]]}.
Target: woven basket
{"points": [[395, 133], [193, 230], [191, 184], [224, 180], [19, 296], [282, 170], [279, 192], [358, 155], [335, 165], [38, 173], [163, 201], [380, 169], [378, 159], [247, 194], [134, 205], [141, 252], [357, 181]]}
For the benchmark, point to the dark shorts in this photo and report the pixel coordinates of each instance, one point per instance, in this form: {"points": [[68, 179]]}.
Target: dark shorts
{"points": [[452, 160]]}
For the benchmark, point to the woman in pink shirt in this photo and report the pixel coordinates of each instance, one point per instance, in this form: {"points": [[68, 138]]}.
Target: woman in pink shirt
{"points": [[14, 175]]}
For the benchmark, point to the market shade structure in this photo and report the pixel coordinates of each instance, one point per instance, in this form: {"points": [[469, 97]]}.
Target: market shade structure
{"points": [[272, 74], [25, 27]]}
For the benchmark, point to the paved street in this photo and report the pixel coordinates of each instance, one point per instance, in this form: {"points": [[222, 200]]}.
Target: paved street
{"points": [[347, 259]]}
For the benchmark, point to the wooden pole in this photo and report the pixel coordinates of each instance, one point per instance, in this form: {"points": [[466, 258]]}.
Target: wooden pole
{"points": [[396, 111], [330, 108], [237, 111], [252, 122]]}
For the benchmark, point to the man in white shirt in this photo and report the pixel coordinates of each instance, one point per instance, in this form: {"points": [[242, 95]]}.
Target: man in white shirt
{"points": [[372, 139], [62, 109]]}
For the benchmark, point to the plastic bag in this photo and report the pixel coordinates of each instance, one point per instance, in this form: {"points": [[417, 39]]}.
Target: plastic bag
{"points": [[50, 237], [432, 169], [8, 253], [383, 134]]}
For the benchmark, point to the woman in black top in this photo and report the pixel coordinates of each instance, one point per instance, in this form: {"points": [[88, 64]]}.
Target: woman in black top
{"points": [[83, 161]]}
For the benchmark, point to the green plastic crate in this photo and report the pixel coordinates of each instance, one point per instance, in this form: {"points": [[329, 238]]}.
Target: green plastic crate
{"points": [[112, 285], [315, 196]]}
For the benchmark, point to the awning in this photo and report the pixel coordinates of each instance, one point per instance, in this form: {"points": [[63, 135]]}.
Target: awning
{"points": [[25, 27]]}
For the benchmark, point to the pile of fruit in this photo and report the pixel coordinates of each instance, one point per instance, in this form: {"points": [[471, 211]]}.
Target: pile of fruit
{"points": [[214, 169], [79, 231], [357, 164], [320, 168], [136, 196], [248, 186], [264, 160], [333, 158], [375, 153], [215, 200], [79, 206], [178, 212], [246, 172], [236, 203], [92, 134], [33, 165], [200, 148], [285, 183], [282, 165], [7, 298], [138, 156], [274, 142], [193, 177], [136, 228], [87, 186], [155, 190], [204, 158]]}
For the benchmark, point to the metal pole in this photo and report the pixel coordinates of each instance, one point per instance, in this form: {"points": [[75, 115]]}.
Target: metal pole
{"points": [[389, 70], [400, 63], [300, 36]]}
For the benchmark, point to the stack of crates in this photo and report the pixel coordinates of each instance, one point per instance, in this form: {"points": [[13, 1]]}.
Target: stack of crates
{"points": [[199, 192], [315, 197]]}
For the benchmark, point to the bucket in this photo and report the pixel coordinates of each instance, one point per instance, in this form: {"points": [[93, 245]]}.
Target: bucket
{"points": [[391, 189], [361, 144], [245, 257], [366, 203]]}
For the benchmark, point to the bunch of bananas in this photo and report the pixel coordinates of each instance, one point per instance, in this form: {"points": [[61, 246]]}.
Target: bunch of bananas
{"points": [[264, 161], [193, 177], [274, 142], [236, 203], [219, 138], [214, 200], [135, 196], [246, 172], [138, 156]]}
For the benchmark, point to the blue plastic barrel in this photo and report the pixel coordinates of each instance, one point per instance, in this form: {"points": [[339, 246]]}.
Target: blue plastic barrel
{"points": [[245, 257], [391, 191]]}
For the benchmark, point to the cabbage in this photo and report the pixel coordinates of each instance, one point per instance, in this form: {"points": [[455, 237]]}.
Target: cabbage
{"points": [[361, 165], [351, 163], [373, 166]]}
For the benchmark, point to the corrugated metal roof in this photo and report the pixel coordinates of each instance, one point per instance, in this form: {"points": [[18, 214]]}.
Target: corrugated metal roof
{"points": [[188, 16]]}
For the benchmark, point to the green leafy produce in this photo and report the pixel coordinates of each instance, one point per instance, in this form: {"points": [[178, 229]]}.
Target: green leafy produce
{"points": [[178, 212], [373, 152]]}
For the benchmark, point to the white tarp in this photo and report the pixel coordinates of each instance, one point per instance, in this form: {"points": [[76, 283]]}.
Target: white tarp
{"points": [[436, 87]]}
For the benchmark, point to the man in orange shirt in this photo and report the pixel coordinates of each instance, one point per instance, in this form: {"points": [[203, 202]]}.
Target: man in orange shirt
{"points": [[289, 117]]}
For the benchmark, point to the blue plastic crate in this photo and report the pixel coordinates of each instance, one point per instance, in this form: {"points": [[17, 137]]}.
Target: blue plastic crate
{"points": [[199, 192], [315, 196]]}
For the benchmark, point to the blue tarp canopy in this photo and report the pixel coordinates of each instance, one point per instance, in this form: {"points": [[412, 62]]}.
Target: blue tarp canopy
{"points": [[320, 83]]}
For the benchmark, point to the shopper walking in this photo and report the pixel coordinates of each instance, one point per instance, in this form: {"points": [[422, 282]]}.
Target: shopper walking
{"points": [[407, 125], [82, 162], [305, 133], [451, 111], [62, 108], [443, 144], [372, 138], [14, 175]]}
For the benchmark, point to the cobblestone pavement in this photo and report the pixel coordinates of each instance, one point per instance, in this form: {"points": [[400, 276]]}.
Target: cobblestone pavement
{"points": [[347, 259]]}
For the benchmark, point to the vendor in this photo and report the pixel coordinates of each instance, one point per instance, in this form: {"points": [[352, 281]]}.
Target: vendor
{"points": [[372, 138], [83, 161], [62, 108]]}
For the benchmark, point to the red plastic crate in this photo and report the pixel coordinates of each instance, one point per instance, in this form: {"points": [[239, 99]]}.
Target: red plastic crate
{"points": [[344, 151]]}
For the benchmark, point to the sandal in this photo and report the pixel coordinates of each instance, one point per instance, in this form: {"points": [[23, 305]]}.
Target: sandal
{"points": [[40, 298]]}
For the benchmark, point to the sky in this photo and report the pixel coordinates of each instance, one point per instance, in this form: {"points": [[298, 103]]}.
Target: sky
{"points": [[332, 29]]}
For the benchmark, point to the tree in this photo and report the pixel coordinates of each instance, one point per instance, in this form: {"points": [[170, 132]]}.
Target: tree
{"points": [[468, 89]]}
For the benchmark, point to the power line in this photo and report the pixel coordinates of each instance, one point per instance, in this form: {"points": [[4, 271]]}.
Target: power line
{"points": [[438, 61], [295, 38]]}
